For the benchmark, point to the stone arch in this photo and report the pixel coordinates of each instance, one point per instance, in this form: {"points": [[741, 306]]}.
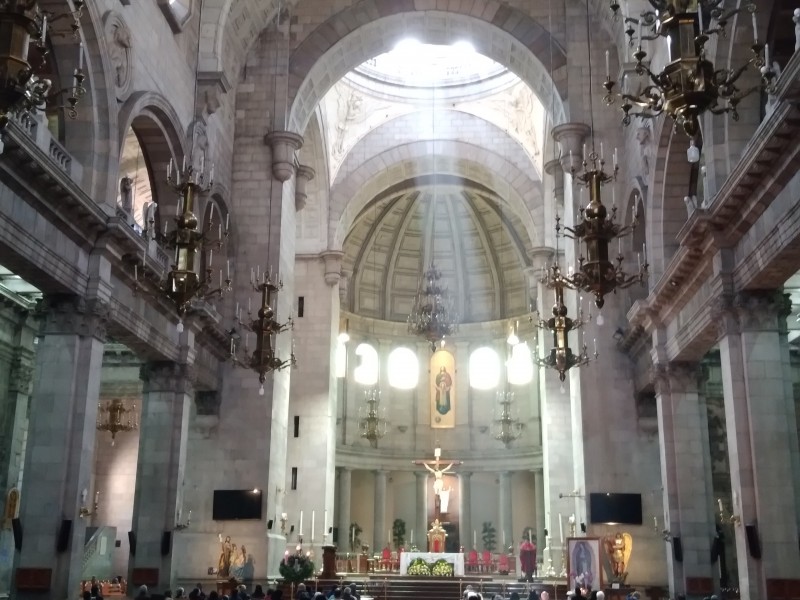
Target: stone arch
{"points": [[157, 126], [318, 62], [350, 195]]}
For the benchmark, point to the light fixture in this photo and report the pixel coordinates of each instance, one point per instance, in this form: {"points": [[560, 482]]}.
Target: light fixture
{"points": [[115, 417], [689, 85], [513, 338], [433, 316], [692, 152], [561, 357], [23, 24], [507, 427], [372, 425], [265, 327], [182, 284]]}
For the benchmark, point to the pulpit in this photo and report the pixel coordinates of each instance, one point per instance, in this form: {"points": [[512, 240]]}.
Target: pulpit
{"points": [[436, 537]]}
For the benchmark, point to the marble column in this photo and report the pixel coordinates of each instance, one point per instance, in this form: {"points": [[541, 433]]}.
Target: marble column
{"points": [[538, 494], [761, 431], [157, 506], [421, 486], [685, 472], [380, 528], [345, 491], [58, 466], [465, 509], [504, 510]]}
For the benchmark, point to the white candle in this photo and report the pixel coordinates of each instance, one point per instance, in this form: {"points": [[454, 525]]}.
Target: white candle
{"points": [[411, 541], [80, 50], [389, 536], [313, 523], [608, 67], [755, 27], [561, 528], [655, 523], [229, 276], [504, 538], [766, 55], [700, 17], [354, 535], [227, 221], [474, 539], [719, 503], [530, 536], [301, 522], [136, 272], [210, 256], [44, 29]]}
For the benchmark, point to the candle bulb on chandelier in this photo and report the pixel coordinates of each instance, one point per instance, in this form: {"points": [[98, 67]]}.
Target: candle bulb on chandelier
{"points": [[608, 71], [169, 168], [228, 268], [43, 37], [210, 257], [80, 55], [755, 26]]}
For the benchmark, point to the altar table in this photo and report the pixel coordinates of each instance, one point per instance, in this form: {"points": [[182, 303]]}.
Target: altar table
{"points": [[455, 559]]}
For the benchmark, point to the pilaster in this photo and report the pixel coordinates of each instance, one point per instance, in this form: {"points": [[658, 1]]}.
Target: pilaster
{"points": [[504, 510], [465, 508], [345, 491], [379, 529]]}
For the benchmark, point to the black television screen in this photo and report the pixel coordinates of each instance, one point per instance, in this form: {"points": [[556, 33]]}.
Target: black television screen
{"points": [[234, 505], [615, 508]]}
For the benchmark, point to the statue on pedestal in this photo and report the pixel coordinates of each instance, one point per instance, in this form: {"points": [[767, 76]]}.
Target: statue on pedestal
{"points": [[619, 549]]}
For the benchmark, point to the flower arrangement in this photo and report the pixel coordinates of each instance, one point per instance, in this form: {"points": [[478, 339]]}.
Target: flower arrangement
{"points": [[420, 568], [296, 567], [442, 568]]}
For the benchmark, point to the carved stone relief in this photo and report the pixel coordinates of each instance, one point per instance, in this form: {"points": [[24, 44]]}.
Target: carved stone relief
{"points": [[120, 52]]}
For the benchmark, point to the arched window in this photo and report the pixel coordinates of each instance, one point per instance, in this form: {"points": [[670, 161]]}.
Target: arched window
{"points": [[366, 373], [135, 185], [484, 369], [403, 369], [520, 365]]}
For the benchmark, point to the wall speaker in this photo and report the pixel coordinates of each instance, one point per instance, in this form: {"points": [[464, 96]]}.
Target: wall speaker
{"points": [[64, 534], [16, 525], [269, 524], [330, 529], [583, 527], [291, 529], [677, 549], [545, 533], [753, 543], [166, 543], [132, 542]]}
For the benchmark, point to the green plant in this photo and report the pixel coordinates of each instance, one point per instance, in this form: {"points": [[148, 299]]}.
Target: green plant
{"points": [[354, 537], [489, 536], [399, 533], [296, 568]]}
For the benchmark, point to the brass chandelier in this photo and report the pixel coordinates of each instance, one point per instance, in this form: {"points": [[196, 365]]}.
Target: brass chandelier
{"points": [[265, 327], [507, 427], [115, 417], [24, 24], [372, 425], [561, 357], [689, 84], [598, 273], [183, 284], [433, 315]]}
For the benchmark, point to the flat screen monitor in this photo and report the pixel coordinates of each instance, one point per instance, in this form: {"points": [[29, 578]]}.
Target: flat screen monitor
{"points": [[615, 508], [235, 505]]}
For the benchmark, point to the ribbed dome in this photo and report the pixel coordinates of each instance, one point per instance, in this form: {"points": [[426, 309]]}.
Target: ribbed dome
{"points": [[478, 244]]}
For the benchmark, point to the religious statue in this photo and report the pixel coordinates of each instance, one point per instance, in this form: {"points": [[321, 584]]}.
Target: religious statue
{"points": [[238, 561], [225, 557], [126, 194], [150, 220], [444, 382], [618, 549]]}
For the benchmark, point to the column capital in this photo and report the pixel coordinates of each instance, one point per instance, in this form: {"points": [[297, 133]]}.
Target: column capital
{"points": [[570, 137], [677, 377], [284, 144], [167, 376], [304, 175], [751, 310], [66, 314]]}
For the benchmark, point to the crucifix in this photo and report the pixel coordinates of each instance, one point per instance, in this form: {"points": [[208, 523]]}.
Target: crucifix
{"points": [[442, 493]]}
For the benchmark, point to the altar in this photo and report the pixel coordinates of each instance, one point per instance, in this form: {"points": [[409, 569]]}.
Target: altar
{"points": [[455, 559]]}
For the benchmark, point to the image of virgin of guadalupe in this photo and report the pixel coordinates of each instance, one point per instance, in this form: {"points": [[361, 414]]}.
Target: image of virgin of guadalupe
{"points": [[444, 382]]}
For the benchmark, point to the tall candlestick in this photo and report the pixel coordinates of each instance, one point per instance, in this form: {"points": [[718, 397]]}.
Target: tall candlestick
{"points": [[561, 528], [353, 537], [411, 541], [301, 523], [474, 539], [313, 523]]}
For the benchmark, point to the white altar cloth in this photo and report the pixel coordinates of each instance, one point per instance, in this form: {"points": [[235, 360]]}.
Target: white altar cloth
{"points": [[457, 560]]}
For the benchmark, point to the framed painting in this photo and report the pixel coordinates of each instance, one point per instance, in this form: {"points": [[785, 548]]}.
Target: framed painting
{"points": [[443, 390], [583, 563]]}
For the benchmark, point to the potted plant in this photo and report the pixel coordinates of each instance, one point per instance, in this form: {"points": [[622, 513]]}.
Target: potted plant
{"points": [[399, 533], [489, 536]]}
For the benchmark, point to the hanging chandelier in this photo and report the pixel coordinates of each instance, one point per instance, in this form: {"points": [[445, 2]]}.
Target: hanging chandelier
{"points": [[24, 24], [114, 417], [561, 357], [433, 316], [597, 272], [689, 85], [265, 327], [507, 427], [372, 424], [182, 284]]}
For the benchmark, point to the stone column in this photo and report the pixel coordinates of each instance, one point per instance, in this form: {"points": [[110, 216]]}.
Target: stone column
{"points": [[538, 491], [465, 509], [61, 439], [167, 396], [379, 529], [345, 490], [761, 432], [421, 479], [685, 472], [504, 509]]}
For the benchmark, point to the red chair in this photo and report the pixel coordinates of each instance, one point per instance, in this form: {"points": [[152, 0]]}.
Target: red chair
{"points": [[386, 558], [502, 563], [472, 560], [487, 564]]}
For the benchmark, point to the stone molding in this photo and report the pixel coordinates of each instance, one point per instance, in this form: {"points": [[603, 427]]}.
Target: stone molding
{"points": [[284, 144], [168, 376], [20, 374], [556, 171], [73, 315], [751, 310], [304, 175], [120, 45], [570, 138], [333, 266], [677, 377]]}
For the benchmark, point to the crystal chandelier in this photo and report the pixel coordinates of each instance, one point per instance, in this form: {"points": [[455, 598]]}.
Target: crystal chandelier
{"points": [[597, 272], [507, 427], [265, 327], [24, 24], [561, 357], [183, 284], [372, 425], [433, 316], [114, 417], [689, 84]]}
